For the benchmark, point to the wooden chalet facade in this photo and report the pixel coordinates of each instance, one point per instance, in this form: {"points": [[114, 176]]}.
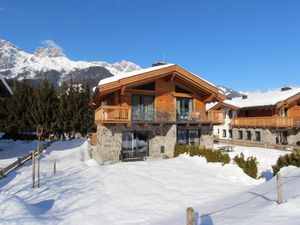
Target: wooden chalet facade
{"points": [[277, 123], [144, 113]]}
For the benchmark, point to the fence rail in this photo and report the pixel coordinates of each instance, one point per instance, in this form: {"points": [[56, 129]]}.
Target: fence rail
{"points": [[256, 144], [20, 161], [121, 114]]}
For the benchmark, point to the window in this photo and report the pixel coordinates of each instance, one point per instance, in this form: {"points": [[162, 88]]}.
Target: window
{"points": [[188, 136], [181, 90], [230, 133], [142, 107], [248, 135], [240, 135], [218, 131], [284, 112], [230, 114], [135, 144], [257, 136], [224, 133], [149, 86], [183, 108]]}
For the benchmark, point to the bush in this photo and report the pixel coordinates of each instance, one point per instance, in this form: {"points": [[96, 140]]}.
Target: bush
{"points": [[209, 154], [286, 160], [249, 166]]}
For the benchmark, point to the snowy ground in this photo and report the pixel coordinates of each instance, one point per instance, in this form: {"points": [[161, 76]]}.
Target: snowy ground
{"points": [[266, 157], [147, 192], [10, 150]]}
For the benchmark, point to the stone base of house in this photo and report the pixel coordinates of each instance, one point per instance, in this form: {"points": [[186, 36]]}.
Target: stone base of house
{"points": [[270, 136], [161, 140]]}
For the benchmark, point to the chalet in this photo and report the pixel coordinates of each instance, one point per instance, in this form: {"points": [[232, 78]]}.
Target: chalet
{"points": [[144, 113], [272, 117], [5, 90]]}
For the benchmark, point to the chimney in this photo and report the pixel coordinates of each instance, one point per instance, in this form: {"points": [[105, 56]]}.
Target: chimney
{"points": [[159, 63], [286, 88]]}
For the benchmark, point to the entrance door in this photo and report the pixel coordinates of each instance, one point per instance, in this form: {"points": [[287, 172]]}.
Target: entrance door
{"points": [[135, 145]]}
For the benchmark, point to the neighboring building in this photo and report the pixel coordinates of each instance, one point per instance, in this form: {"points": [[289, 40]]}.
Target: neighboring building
{"points": [[144, 113], [5, 90], [224, 131], [272, 117]]}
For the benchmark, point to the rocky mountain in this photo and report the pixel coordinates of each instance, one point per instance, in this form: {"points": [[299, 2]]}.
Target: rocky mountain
{"points": [[52, 63], [229, 92]]}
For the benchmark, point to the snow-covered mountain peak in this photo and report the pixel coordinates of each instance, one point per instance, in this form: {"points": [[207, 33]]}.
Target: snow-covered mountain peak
{"points": [[52, 63], [49, 52]]}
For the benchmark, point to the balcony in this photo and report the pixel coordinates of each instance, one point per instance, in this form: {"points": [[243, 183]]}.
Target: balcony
{"points": [[112, 114], [274, 121], [125, 115]]}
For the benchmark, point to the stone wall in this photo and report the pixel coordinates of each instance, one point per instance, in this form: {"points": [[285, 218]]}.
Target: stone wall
{"points": [[267, 135], [294, 136], [109, 140]]}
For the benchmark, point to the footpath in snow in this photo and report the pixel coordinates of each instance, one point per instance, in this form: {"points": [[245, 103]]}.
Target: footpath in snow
{"points": [[146, 192]]}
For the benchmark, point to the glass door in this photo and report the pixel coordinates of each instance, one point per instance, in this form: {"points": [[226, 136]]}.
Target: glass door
{"points": [[143, 107], [184, 106], [135, 145]]}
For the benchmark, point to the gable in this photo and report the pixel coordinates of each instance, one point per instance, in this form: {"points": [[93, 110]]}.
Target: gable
{"points": [[170, 72]]}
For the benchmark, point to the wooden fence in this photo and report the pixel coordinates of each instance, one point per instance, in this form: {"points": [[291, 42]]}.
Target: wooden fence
{"points": [[20, 161]]}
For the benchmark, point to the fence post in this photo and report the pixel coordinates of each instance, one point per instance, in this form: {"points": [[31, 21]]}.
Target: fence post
{"points": [[190, 216], [54, 166], [279, 188], [33, 168]]}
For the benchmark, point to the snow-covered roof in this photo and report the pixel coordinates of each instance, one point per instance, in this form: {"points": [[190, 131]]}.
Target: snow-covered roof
{"points": [[6, 85], [141, 71], [269, 98], [131, 74]]}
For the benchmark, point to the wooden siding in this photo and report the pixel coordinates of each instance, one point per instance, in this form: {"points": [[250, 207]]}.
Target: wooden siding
{"points": [[164, 100], [264, 112], [268, 122], [119, 111]]}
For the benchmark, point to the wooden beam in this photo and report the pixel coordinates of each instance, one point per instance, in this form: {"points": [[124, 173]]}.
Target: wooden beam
{"points": [[123, 89], [209, 98]]}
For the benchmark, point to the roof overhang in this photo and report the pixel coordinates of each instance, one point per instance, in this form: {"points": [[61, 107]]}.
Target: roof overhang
{"points": [[288, 101], [174, 71], [221, 105]]}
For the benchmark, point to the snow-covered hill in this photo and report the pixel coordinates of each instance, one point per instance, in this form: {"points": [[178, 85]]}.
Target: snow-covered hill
{"points": [[51, 62], [147, 192]]}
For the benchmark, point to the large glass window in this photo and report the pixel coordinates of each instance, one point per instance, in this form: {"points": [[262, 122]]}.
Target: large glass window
{"points": [[184, 106], [188, 136], [135, 144], [143, 107]]}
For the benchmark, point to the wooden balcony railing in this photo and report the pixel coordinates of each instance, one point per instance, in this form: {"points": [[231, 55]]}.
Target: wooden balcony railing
{"points": [[112, 114], [216, 116], [296, 121], [274, 121], [121, 114]]}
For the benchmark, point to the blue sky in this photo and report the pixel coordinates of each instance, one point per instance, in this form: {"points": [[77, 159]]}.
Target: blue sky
{"points": [[243, 44]]}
